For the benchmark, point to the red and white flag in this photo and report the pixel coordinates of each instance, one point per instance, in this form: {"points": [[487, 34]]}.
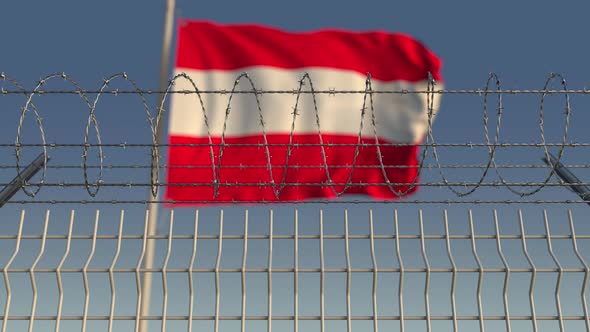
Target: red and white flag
{"points": [[238, 150]]}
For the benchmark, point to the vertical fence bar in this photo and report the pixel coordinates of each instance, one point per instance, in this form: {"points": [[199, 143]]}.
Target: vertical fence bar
{"points": [[586, 269], [58, 273], [454, 276], [534, 273], [217, 264], [480, 270], [138, 270], [296, 270], [191, 286], [401, 273], [165, 273], [348, 272], [374, 268], [322, 274], [269, 304], [559, 274], [7, 268], [506, 276], [111, 273], [427, 279], [85, 272], [243, 273], [32, 272]]}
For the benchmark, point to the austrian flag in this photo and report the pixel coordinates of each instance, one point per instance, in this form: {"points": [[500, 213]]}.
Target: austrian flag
{"points": [[285, 143]]}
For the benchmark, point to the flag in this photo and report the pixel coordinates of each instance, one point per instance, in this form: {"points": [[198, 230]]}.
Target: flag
{"points": [[292, 144]]}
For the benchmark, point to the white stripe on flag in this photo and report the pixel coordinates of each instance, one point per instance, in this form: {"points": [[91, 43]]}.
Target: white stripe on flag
{"points": [[400, 118]]}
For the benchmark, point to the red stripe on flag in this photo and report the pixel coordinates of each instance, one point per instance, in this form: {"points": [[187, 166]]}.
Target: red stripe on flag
{"points": [[387, 56], [191, 165]]}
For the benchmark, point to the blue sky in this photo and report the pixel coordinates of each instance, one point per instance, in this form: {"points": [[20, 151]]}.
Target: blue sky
{"points": [[521, 41]]}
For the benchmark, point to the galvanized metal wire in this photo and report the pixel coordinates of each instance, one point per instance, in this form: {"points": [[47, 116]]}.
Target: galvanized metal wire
{"points": [[121, 263], [429, 156]]}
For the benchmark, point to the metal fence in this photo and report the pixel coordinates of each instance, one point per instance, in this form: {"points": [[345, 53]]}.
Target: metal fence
{"points": [[472, 250]]}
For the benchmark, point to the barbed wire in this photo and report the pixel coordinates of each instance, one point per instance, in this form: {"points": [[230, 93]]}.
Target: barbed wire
{"points": [[300, 202], [428, 166], [295, 92], [492, 142]]}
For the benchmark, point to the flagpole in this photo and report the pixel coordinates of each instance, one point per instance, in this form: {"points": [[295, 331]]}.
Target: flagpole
{"points": [[153, 207]]}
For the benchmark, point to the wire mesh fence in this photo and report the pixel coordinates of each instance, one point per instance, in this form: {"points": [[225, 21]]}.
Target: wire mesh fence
{"points": [[332, 272], [492, 240]]}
